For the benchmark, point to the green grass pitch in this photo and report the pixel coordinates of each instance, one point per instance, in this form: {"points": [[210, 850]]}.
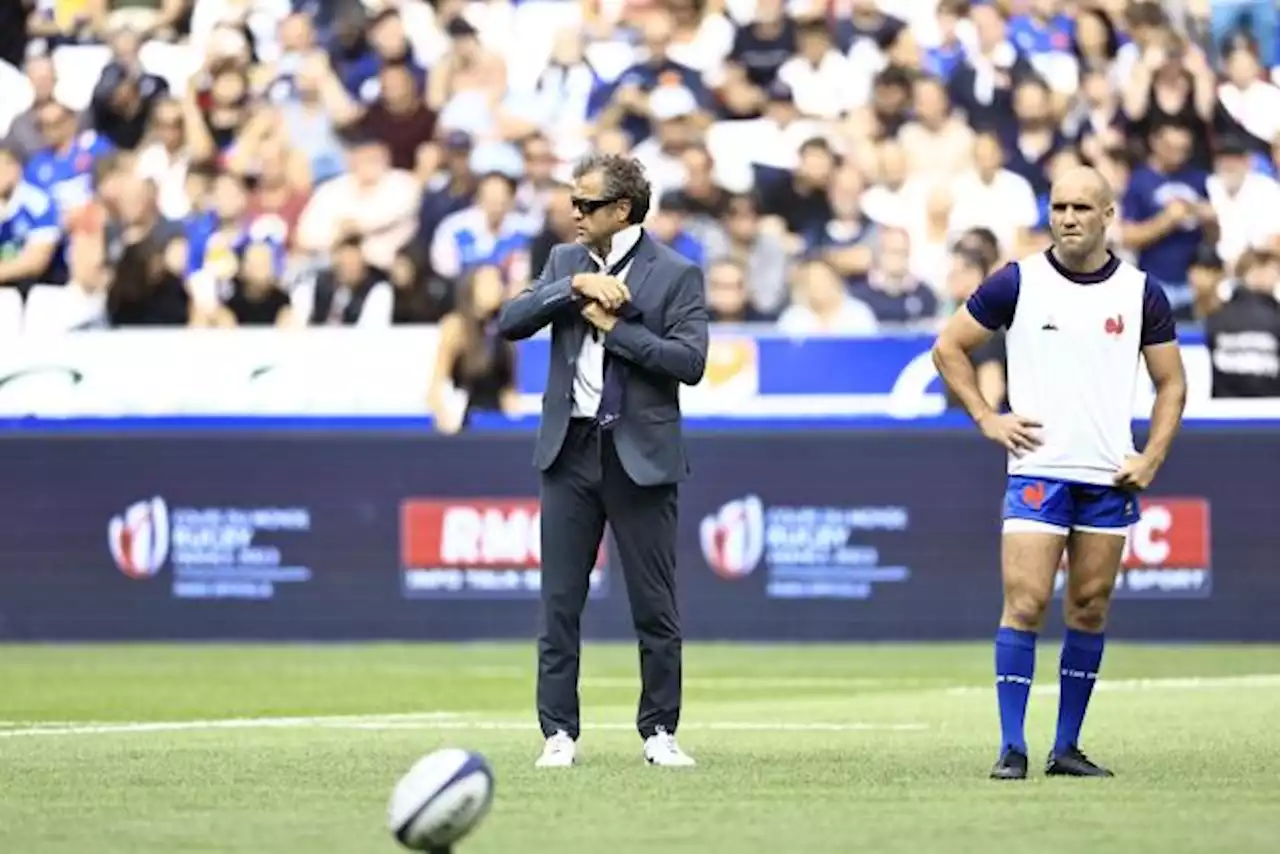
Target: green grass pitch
{"points": [[805, 749]]}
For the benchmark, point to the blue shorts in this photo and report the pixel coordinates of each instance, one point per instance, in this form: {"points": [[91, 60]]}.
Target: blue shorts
{"points": [[1055, 506]]}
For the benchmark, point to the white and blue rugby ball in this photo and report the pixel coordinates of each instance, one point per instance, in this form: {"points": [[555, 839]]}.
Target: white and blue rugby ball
{"points": [[440, 800]]}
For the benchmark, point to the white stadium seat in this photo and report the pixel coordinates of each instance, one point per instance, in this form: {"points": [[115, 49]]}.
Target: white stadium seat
{"points": [[10, 313], [61, 308]]}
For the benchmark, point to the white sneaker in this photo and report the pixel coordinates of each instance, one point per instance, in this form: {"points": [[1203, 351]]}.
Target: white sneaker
{"points": [[559, 751], [661, 749]]}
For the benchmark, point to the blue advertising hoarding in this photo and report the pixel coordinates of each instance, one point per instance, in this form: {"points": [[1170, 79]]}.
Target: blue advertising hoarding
{"points": [[869, 535]]}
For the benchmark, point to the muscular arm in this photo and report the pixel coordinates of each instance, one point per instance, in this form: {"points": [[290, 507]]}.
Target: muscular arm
{"points": [[1164, 365], [990, 307], [538, 304], [681, 352]]}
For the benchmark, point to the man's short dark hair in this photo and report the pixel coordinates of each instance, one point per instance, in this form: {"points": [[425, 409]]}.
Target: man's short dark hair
{"points": [[624, 178]]}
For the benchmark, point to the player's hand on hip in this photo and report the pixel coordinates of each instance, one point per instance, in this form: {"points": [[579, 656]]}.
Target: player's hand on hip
{"points": [[1136, 473], [606, 290], [1019, 435]]}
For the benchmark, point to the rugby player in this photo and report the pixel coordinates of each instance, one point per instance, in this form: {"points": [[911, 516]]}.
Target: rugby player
{"points": [[1077, 318]]}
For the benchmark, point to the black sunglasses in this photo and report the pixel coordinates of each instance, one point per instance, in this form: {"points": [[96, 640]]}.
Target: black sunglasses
{"points": [[590, 206]]}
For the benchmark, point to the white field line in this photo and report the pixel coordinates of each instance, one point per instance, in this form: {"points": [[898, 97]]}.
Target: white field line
{"points": [[427, 721], [1177, 683], [457, 721], [18, 728]]}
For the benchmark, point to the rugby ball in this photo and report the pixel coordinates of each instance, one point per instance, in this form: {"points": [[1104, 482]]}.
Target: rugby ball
{"points": [[440, 799]]}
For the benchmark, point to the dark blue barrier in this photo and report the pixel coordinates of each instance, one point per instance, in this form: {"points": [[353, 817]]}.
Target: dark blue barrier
{"points": [[784, 536]]}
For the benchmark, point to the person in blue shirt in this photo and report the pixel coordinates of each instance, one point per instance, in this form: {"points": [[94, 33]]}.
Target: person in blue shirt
{"points": [[1165, 210], [30, 232], [625, 101], [1043, 29], [64, 167], [218, 237], [358, 56]]}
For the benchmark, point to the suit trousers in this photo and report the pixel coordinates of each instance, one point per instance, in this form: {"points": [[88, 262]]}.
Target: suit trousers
{"points": [[585, 487]]}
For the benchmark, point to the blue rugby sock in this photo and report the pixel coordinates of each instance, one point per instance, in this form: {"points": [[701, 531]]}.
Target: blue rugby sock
{"points": [[1081, 658], [1015, 667]]}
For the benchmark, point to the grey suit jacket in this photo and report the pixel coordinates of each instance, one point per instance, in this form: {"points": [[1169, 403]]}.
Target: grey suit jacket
{"points": [[665, 347]]}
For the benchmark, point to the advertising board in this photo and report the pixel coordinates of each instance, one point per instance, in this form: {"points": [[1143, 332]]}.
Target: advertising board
{"points": [[799, 537]]}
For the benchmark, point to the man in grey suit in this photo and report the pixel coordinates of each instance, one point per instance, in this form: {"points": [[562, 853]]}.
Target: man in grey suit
{"points": [[628, 323]]}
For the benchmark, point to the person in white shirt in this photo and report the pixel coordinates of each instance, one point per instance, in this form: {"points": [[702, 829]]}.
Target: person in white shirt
{"points": [[1078, 320], [994, 197], [823, 306], [824, 83], [1239, 196]]}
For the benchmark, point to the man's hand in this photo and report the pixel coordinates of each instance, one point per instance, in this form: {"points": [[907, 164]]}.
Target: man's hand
{"points": [[606, 290], [597, 316], [1016, 433], [1136, 472]]}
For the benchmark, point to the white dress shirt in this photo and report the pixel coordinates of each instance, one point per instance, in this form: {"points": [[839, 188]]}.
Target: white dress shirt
{"points": [[588, 382]]}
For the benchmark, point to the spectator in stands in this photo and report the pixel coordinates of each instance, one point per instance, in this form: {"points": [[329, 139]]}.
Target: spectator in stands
{"points": [[1097, 124], [890, 289], [374, 202], [1095, 44], [798, 204], [351, 292], [145, 290], [451, 189], [472, 360], [701, 35], [969, 266], [214, 118], [760, 48], [1243, 337], [626, 103], [278, 193], [982, 86], [126, 93], [1038, 136], [257, 299], [31, 239], [671, 110], [309, 116], [994, 197], [822, 82], [728, 298], [164, 159], [1209, 285], [539, 182], [419, 296], [398, 116], [760, 251], [137, 219], [1238, 194], [668, 228], [849, 239], [491, 231], [1166, 210], [822, 305], [1172, 84], [149, 18], [1249, 101], [936, 142], [63, 165], [24, 133]]}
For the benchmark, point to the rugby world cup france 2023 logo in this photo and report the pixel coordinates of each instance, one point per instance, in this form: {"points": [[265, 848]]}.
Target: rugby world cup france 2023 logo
{"points": [[733, 537], [139, 538]]}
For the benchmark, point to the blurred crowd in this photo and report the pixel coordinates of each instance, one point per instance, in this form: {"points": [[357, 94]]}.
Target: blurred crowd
{"points": [[836, 166]]}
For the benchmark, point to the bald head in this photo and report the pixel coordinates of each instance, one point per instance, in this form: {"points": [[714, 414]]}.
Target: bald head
{"points": [[1081, 209], [1084, 181]]}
